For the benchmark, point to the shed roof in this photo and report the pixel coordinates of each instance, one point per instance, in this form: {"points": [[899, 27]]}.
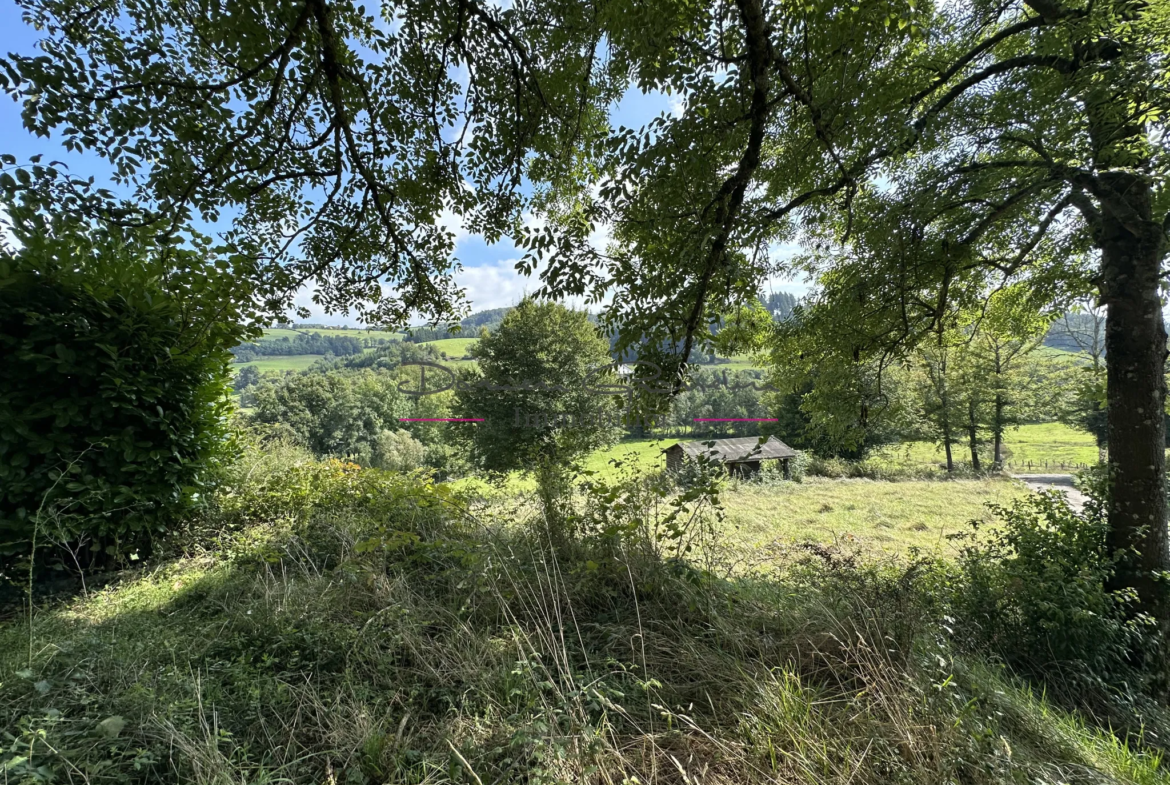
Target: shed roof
{"points": [[745, 448]]}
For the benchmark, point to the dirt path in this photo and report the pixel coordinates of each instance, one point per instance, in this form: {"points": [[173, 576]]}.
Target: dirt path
{"points": [[1055, 482]]}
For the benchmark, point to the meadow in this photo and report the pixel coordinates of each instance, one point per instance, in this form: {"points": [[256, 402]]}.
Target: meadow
{"points": [[1033, 447], [280, 363], [881, 518], [455, 348], [1038, 443]]}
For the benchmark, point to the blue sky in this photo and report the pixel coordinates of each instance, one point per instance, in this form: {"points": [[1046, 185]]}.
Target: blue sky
{"points": [[488, 274]]}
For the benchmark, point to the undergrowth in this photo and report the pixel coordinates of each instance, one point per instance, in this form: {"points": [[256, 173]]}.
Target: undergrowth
{"points": [[322, 623]]}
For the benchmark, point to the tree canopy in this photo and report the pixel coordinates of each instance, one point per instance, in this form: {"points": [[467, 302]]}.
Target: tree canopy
{"points": [[326, 140]]}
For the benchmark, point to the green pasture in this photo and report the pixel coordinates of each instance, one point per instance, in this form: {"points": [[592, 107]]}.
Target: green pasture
{"points": [[291, 362]]}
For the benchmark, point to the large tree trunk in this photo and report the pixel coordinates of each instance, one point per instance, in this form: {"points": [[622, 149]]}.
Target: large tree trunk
{"points": [[1135, 354]]}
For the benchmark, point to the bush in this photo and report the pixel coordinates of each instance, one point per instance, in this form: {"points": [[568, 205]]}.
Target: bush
{"points": [[869, 469], [397, 451], [112, 392], [339, 412], [1033, 590]]}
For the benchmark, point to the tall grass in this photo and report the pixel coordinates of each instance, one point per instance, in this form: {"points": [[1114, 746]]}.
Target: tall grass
{"points": [[326, 624]]}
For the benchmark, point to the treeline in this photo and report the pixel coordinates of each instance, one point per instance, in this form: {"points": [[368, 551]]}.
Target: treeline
{"points": [[469, 327], [307, 343], [779, 304], [352, 407], [962, 386], [1078, 332]]}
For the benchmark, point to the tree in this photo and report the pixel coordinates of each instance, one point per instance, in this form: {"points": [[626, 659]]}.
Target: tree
{"points": [[397, 451], [849, 399], [1016, 141], [537, 389], [335, 412], [247, 376], [939, 398], [1005, 337], [329, 140], [1083, 330], [540, 389]]}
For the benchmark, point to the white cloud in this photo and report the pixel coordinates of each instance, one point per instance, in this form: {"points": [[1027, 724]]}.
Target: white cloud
{"points": [[495, 284], [453, 223], [498, 285]]}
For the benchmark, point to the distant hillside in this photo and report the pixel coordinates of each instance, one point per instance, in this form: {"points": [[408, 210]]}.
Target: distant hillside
{"points": [[470, 327], [1077, 332]]}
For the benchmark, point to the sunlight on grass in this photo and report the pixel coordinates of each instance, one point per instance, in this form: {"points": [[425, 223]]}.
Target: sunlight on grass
{"points": [[454, 347], [879, 517], [1040, 444]]}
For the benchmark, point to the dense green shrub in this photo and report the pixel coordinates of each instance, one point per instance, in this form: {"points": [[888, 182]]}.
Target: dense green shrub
{"points": [[339, 412], [112, 389], [397, 451], [1034, 591]]}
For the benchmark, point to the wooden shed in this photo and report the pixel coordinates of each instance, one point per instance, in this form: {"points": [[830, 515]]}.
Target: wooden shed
{"points": [[741, 456]]}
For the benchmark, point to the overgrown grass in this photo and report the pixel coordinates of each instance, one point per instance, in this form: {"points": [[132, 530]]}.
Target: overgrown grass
{"points": [[357, 627]]}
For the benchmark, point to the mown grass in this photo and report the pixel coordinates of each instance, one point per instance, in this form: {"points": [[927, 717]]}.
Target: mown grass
{"points": [[879, 518], [354, 641], [1049, 443]]}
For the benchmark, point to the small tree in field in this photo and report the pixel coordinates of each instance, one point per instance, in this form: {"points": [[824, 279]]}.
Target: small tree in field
{"points": [[539, 392]]}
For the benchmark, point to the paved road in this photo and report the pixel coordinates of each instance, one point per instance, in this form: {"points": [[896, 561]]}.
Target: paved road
{"points": [[1055, 482]]}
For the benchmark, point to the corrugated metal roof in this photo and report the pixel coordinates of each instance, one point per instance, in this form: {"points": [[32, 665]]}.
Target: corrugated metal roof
{"points": [[747, 448]]}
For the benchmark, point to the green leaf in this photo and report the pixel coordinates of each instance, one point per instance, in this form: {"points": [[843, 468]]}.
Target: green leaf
{"points": [[110, 727]]}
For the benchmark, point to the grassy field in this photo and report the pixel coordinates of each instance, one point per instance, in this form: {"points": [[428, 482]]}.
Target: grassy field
{"points": [[1041, 444], [1038, 443], [454, 347], [736, 363], [875, 517], [879, 518], [276, 333], [291, 362]]}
